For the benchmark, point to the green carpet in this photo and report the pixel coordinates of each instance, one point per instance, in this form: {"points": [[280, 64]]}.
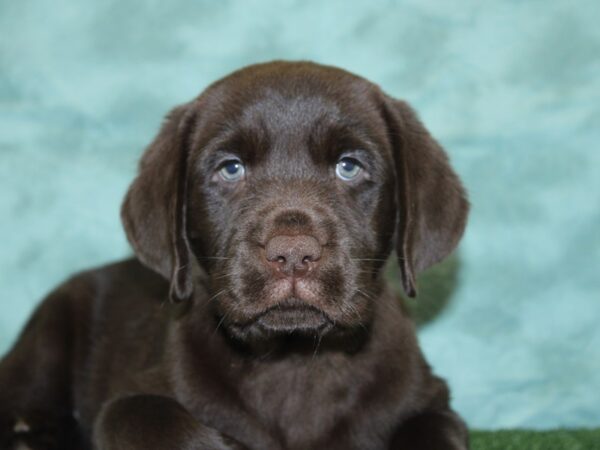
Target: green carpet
{"points": [[536, 440]]}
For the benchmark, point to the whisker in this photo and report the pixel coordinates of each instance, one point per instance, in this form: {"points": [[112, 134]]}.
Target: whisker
{"points": [[222, 291], [374, 299], [214, 257], [317, 347], [368, 259], [183, 267], [377, 259], [370, 297], [218, 277], [356, 313], [219, 324], [369, 271]]}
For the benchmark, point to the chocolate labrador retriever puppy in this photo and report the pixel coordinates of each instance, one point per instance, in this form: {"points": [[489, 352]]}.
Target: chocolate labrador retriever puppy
{"points": [[255, 314]]}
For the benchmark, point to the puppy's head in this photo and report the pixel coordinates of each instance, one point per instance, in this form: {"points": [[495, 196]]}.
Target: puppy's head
{"points": [[289, 184]]}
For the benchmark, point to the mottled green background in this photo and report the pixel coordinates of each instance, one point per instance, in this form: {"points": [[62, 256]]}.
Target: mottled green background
{"points": [[511, 88]]}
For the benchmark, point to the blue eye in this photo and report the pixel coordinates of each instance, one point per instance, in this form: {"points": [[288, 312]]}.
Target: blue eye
{"points": [[232, 170], [347, 169]]}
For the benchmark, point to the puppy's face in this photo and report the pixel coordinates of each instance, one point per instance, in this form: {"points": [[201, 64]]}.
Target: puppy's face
{"points": [[291, 204], [287, 184]]}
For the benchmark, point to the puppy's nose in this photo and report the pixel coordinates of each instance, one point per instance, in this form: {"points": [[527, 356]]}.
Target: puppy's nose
{"points": [[293, 255]]}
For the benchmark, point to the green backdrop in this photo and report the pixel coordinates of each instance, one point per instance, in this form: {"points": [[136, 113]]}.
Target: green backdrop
{"points": [[511, 88]]}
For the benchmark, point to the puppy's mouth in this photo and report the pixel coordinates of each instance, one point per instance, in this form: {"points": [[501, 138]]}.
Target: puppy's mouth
{"points": [[289, 317], [293, 318]]}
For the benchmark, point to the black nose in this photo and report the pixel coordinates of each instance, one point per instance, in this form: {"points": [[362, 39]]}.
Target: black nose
{"points": [[293, 255]]}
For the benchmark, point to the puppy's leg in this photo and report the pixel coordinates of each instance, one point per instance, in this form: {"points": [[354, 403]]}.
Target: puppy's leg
{"points": [[35, 380], [149, 422], [435, 430]]}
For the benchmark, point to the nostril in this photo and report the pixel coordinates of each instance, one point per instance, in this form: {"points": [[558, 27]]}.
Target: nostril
{"points": [[280, 262]]}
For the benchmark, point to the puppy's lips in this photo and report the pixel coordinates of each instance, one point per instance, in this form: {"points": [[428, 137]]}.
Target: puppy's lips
{"points": [[293, 316]]}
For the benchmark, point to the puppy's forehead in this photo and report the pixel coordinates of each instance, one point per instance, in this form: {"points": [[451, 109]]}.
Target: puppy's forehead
{"points": [[289, 124], [278, 113], [291, 92]]}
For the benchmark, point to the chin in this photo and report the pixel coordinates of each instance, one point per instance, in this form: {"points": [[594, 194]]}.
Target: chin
{"points": [[292, 325]]}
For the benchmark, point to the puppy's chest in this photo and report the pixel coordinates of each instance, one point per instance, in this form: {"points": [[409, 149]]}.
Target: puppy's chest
{"points": [[305, 403]]}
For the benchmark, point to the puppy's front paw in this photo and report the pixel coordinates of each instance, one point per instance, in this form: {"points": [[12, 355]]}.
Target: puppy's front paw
{"points": [[20, 445], [19, 433], [14, 433]]}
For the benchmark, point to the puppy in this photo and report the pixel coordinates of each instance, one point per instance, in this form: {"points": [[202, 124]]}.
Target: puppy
{"points": [[255, 314]]}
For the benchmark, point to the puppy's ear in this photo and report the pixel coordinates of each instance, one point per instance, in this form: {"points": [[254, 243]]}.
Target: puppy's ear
{"points": [[154, 210], [432, 206]]}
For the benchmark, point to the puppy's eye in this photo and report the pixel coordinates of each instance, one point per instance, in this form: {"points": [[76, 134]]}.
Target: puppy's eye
{"points": [[347, 169], [232, 170]]}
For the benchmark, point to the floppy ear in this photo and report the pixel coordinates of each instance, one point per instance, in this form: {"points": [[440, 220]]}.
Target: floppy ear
{"points": [[154, 210], [432, 206]]}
